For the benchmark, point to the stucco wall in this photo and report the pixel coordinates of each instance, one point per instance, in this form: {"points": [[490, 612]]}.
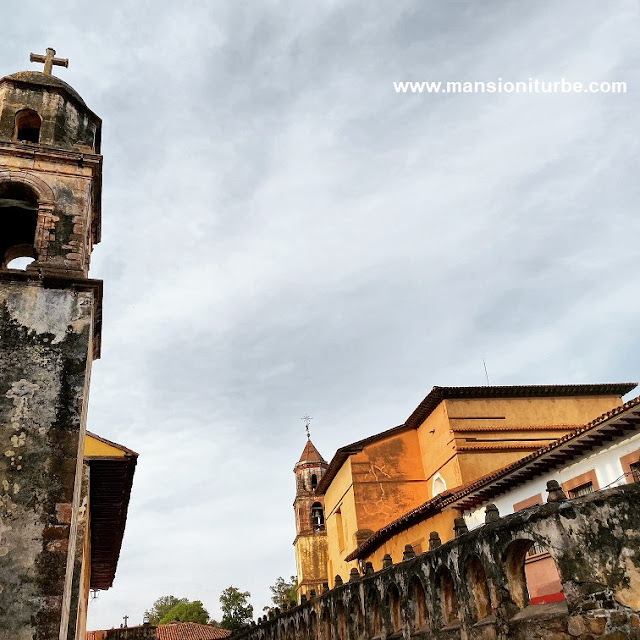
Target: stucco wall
{"points": [[604, 460]]}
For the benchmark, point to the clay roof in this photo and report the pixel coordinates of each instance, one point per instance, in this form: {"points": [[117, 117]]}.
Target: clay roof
{"points": [[311, 454], [171, 631], [190, 631], [438, 394], [579, 441]]}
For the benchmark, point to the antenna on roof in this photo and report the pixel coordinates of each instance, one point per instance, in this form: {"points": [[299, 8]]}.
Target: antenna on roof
{"points": [[485, 372]]}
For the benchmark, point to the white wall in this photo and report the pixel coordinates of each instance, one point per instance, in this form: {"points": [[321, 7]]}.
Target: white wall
{"points": [[605, 461]]}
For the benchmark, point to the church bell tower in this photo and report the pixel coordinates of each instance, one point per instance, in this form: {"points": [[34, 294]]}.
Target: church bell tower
{"points": [[50, 319], [311, 536]]}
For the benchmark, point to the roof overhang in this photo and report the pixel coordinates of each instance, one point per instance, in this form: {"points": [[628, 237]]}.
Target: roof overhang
{"points": [[110, 482]]}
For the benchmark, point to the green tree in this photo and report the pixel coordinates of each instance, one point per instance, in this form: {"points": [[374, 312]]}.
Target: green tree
{"points": [[161, 607], [283, 592], [186, 611], [235, 607], [168, 608]]}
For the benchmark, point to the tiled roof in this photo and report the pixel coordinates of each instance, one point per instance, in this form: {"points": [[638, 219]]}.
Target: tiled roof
{"points": [[190, 631], [520, 427], [311, 454], [438, 394], [584, 438]]}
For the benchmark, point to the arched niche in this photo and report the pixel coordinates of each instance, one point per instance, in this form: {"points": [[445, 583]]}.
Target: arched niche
{"points": [[479, 588]]}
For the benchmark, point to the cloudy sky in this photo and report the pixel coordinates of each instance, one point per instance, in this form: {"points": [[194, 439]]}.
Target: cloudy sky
{"points": [[285, 234]]}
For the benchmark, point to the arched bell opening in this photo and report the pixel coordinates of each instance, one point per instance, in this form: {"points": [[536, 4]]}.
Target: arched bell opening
{"points": [[18, 224], [27, 126], [317, 517]]}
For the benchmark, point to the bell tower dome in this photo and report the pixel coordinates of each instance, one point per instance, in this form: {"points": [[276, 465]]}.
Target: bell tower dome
{"points": [[50, 320], [50, 174], [311, 537]]}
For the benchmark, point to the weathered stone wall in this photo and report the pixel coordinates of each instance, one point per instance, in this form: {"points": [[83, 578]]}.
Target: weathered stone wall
{"points": [[65, 231], [66, 120], [45, 358], [473, 587]]}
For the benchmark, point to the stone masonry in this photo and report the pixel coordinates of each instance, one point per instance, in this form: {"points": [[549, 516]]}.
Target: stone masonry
{"points": [[473, 587]]}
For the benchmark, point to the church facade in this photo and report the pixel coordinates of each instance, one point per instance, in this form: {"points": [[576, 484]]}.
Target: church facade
{"points": [[389, 490]]}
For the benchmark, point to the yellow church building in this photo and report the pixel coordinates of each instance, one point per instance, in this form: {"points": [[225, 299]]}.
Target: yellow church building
{"points": [[455, 436]]}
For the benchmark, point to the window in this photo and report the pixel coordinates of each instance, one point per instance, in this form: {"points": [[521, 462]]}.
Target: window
{"points": [[631, 466], [581, 485], [27, 128], [536, 550], [317, 517], [581, 490], [533, 501], [314, 482], [340, 530], [439, 485]]}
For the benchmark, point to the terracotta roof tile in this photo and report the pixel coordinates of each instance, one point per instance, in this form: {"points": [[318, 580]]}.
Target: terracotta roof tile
{"points": [[190, 631], [311, 454]]}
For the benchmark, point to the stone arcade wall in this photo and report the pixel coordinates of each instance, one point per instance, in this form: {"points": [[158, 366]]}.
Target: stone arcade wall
{"points": [[594, 540]]}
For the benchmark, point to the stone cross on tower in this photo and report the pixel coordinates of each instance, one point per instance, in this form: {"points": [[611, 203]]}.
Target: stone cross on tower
{"points": [[49, 60]]}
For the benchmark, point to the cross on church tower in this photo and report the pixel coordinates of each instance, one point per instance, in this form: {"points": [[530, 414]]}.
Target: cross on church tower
{"points": [[307, 421], [49, 60]]}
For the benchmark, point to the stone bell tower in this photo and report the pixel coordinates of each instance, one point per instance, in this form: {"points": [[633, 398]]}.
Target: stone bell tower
{"points": [[311, 536], [50, 318]]}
